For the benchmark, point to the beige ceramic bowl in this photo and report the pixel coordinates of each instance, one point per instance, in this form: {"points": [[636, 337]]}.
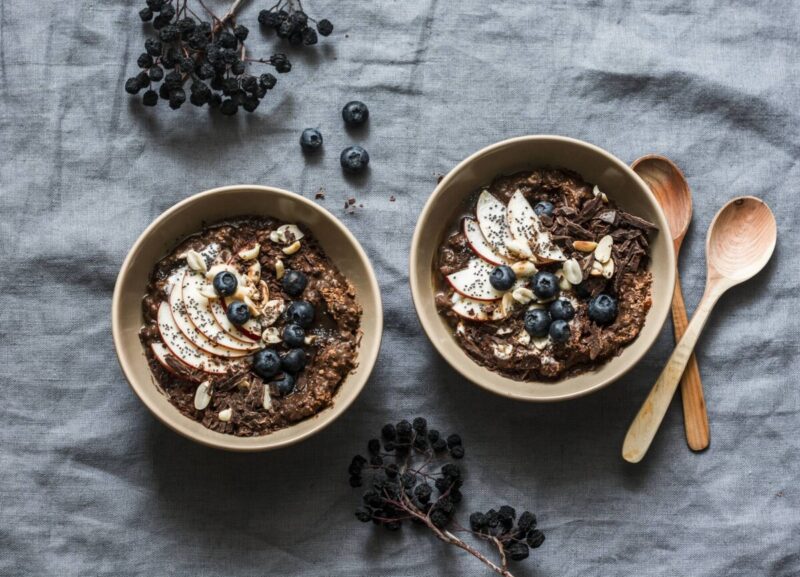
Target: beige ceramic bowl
{"points": [[188, 217], [447, 202]]}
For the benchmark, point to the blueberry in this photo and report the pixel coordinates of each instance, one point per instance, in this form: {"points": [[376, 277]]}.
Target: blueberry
{"points": [[537, 322], [354, 159], [311, 139], [355, 113], [301, 313], [545, 284], [294, 283], [225, 283], [238, 313], [559, 331], [294, 335], [502, 278], [294, 361], [285, 385], [562, 309], [603, 309], [266, 363], [544, 208]]}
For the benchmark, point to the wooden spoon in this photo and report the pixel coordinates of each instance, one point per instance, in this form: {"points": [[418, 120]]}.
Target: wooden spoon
{"points": [[672, 192], [740, 242]]}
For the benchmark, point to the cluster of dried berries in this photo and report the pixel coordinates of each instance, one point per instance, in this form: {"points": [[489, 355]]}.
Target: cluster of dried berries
{"points": [[209, 56], [290, 22], [412, 477]]}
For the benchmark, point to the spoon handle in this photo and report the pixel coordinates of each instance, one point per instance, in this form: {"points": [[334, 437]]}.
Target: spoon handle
{"points": [[695, 417], [647, 421]]}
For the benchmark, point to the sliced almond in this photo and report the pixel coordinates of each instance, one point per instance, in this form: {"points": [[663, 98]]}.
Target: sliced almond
{"points": [[196, 261], [519, 247], [250, 253], [271, 311], [292, 248], [271, 335], [275, 237], [280, 269], [524, 268], [597, 192], [522, 295], [503, 351], [202, 396], [597, 269], [290, 232], [225, 415], [584, 245], [603, 250], [254, 272], [267, 402], [540, 342], [608, 268], [507, 304], [572, 272], [264, 289]]}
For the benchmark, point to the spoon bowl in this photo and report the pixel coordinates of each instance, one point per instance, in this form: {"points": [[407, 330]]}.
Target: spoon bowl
{"points": [[741, 239], [670, 188]]}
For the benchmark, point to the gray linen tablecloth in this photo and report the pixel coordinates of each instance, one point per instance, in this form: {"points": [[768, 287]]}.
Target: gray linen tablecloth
{"points": [[92, 484]]}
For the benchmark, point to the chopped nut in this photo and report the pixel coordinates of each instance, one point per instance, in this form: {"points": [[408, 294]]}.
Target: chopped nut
{"points": [[271, 311], [584, 245], [603, 250], [563, 283], [572, 271], [522, 295], [264, 291], [267, 402], [597, 269], [519, 247], [290, 232], [225, 415], [292, 248], [524, 268], [503, 351], [202, 396], [250, 253], [523, 337], [540, 342], [275, 237], [196, 261], [310, 339], [507, 304], [597, 192], [503, 331], [608, 268], [271, 335], [254, 272], [280, 269]]}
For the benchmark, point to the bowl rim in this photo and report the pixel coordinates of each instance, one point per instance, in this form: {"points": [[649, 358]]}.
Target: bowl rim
{"points": [[470, 369], [215, 439]]}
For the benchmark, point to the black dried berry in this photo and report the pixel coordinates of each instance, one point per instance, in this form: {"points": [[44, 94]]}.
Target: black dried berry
{"points": [[324, 27]]}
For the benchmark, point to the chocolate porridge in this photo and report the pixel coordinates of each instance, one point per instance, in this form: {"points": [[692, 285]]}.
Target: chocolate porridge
{"points": [[545, 276], [249, 327]]}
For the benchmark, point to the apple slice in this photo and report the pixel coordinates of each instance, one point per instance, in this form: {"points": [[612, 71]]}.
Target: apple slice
{"points": [[477, 310], [251, 329], [218, 310], [165, 359], [182, 348], [493, 222], [525, 225], [184, 323], [479, 244], [197, 308], [473, 281]]}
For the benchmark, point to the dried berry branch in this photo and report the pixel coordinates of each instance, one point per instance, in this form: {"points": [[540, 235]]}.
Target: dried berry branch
{"points": [[400, 490], [211, 55]]}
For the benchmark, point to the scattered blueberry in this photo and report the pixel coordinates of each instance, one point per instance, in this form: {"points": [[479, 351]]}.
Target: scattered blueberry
{"points": [[311, 140], [294, 283], [354, 159], [545, 284], [562, 309], [537, 322], [559, 331], [301, 313], [355, 113], [225, 283], [294, 361], [603, 309], [238, 313], [266, 363], [544, 208], [502, 278], [285, 385], [294, 335]]}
